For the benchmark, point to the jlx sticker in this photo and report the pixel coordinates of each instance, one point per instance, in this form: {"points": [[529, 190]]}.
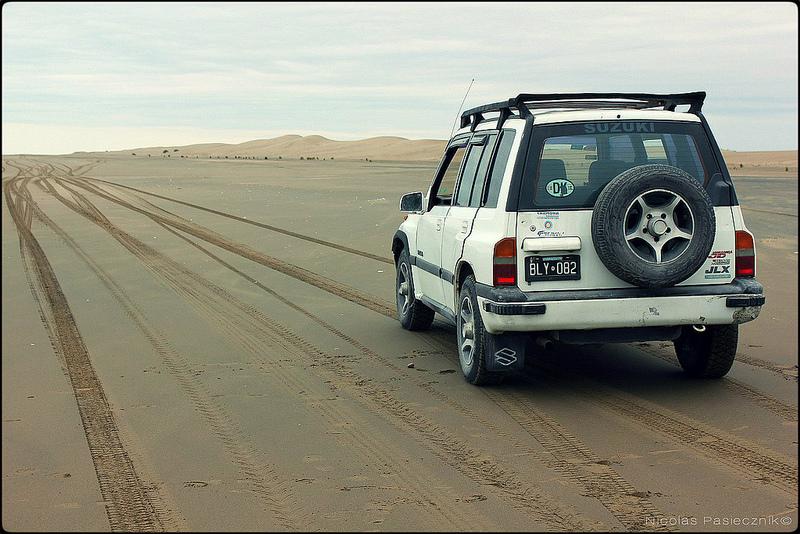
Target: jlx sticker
{"points": [[559, 188]]}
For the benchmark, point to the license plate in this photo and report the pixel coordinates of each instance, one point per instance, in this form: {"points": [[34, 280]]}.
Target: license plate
{"points": [[546, 268]]}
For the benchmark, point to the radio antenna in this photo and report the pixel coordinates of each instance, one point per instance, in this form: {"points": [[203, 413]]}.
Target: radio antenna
{"points": [[461, 106]]}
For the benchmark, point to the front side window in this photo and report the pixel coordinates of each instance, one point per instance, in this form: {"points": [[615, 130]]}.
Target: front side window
{"points": [[447, 184], [576, 161]]}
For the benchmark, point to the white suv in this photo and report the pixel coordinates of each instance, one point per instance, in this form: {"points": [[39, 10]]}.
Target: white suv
{"points": [[580, 218]]}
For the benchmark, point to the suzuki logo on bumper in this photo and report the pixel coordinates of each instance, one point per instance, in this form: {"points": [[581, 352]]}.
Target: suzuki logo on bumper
{"points": [[505, 356]]}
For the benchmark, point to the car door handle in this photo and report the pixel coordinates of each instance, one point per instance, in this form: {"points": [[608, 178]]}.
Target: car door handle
{"points": [[465, 226], [438, 225]]}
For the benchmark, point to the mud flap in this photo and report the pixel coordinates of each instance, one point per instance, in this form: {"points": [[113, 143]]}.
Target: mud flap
{"points": [[505, 352]]}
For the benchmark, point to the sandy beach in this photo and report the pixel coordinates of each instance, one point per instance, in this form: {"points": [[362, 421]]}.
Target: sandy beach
{"points": [[194, 343]]}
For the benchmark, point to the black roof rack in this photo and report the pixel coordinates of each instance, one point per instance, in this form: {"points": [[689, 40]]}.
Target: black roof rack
{"points": [[524, 102]]}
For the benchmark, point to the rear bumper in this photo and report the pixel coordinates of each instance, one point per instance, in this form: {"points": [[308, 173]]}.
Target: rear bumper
{"points": [[511, 310]]}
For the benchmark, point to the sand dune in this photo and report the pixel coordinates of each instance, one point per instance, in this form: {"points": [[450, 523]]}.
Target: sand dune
{"points": [[313, 146], [768, 162], [782, 162]]}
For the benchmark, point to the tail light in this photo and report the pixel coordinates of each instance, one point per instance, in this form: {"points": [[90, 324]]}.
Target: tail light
{"points": [[745, 254], [505, 262]]}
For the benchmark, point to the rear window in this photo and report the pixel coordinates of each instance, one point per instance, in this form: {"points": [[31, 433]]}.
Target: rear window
{"points": [[576, 161]]}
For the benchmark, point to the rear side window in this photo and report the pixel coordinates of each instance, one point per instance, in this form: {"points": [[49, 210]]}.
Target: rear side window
{"points": [[468, 176], [498, 168], [576, 161], [483, 167], [474, 176]]}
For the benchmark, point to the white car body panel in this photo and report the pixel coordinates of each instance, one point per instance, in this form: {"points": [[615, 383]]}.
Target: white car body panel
{"points": [[457, 226], [428, 244], [550, 117], [619, 313]]}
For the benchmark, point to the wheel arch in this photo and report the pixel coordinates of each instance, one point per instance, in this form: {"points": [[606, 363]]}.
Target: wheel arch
{"points": [[399, 243], [463, 270]]}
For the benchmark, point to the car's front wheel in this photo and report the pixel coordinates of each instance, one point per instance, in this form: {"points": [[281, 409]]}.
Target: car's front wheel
{"points": [[709, 352], [413, 314]]}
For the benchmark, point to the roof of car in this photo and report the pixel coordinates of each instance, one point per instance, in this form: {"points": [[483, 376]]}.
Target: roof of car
{"points": [[563, 107], [585, 115]]}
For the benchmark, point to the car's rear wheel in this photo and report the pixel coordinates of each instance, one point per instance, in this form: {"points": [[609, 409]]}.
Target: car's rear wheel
{"points": [[471, 338], [413, 314], [708, 353]]}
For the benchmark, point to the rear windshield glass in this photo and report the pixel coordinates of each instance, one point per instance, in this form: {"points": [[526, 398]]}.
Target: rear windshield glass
{"points": [[576, 161]]}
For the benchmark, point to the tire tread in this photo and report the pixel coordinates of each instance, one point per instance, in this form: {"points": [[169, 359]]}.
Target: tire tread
{"points": [[479, 375], [710, 354], [420, 317]]}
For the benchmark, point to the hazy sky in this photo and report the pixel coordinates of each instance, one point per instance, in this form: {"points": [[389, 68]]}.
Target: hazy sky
{"points": [[109, 76]]}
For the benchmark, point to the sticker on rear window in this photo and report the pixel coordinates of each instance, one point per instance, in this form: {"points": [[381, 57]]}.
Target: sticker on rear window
{"points": [[559, 188]]}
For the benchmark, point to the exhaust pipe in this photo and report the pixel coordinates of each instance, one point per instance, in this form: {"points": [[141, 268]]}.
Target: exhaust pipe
{"points": [[699, 328], [544, 342]]}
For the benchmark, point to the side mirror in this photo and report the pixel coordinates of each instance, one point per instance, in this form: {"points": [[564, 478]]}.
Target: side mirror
{"points": [[411, 203]]}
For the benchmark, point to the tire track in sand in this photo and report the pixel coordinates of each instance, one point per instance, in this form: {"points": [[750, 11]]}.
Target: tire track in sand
{"points": [[438, 504], [260, 478], [569, 457], [129, 503], [216, 307], [787, 373], [309, 277], [785, 411], [743, 457], [224, 312], [270, 227], [472, 463], [576, 461], [755, 461]]}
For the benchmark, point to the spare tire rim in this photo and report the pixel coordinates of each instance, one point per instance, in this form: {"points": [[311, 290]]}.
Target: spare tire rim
{"points": [[658, 226]]}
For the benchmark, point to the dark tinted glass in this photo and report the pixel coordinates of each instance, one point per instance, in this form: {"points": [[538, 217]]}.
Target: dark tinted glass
{"points": [[573, 169], [468, 176], [499, 168], [480, 176]]}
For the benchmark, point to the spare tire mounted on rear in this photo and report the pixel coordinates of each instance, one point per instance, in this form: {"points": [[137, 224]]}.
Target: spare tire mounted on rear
{"points": [[653, 226]]}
